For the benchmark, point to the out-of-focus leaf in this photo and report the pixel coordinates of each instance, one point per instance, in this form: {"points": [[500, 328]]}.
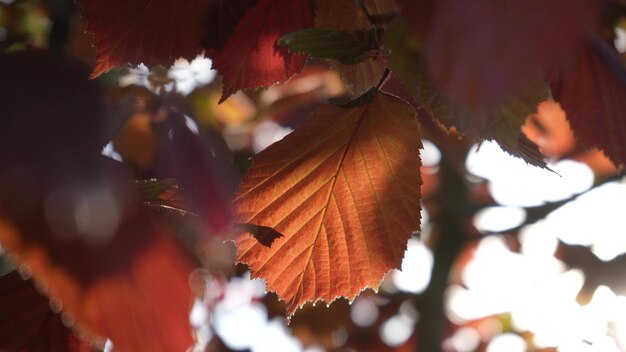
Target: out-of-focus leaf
{"points": [[69, 216], [327, 43], [144, 31], [501, 123], [192, 160], [136, 142], [592, 91], [480, 53], [27, 322], [251, 58], [111, 290], [343, 190]]}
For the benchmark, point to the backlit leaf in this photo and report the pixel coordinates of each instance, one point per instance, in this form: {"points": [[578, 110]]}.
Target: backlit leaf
{"points": [[501, 122], [27, 322], [153, 32], [251, 57], [343, 190], [193, 161], [592, 91]]}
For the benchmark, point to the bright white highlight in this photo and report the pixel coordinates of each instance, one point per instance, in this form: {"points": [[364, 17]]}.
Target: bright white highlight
{"points": [[515, 183], [429, 154], [396, 330], [499, 219], [594, 219], [242, 323], [416, 268], [507, 343], [364, 312]]}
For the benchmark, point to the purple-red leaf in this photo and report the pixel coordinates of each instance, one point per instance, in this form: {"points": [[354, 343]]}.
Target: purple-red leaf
{"points": [[153, 32], [480, 52], [251, 57], [592, 91], [222, 17], [27, 322]]}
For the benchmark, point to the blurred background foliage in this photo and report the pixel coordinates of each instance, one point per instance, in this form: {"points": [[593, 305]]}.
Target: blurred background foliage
{"points": [[510, 258]]}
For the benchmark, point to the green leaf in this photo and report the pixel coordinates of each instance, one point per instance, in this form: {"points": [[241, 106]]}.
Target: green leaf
{"points": [[501, 123], [346, 47]]}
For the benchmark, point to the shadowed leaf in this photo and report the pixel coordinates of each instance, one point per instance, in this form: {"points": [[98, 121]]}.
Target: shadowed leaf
{"points": [[482, 52], [501, 123], [70, 217], [27, 322], [349, 16], [343, 190], [251, 57], [592, 91], [153, 32], [348, 48], [222, 17]]}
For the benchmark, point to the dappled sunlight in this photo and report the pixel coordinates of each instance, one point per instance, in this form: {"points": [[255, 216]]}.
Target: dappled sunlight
{"points": [[513, 182], [499, 219], [507, 342], [540, 296], [242, 322], [598, 218], [414, 274], [399, 328]]}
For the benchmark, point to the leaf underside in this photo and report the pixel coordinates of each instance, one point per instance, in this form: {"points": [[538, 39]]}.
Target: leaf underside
{"points": [[343, 190], [592, 91]]}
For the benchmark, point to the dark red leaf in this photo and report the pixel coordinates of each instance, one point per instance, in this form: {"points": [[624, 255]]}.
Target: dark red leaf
{"points": [[27, 322], [251, 57], [592, 91], [222, 17], [153, 32], [483, 51], [193, 162]]}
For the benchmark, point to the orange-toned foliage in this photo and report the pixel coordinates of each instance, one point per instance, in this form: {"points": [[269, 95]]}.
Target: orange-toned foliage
{"points": [[343, 193]]}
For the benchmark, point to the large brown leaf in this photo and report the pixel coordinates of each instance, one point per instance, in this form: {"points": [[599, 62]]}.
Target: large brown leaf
{"points": [[153, 32], [251, 58], [592, 91], [27, 322], [343, 190]]}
